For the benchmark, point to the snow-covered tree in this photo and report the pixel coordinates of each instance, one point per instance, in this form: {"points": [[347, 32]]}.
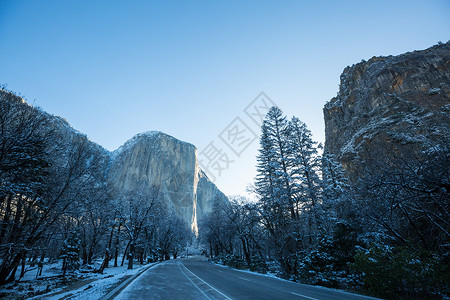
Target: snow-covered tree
{"points": [[70, 252], [137, 211], [42, 174], [305, 163], [288, 184], [273, 182], [338, 195]]}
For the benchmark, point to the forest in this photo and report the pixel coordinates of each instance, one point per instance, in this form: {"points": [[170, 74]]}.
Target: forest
{"points": [[384, 233], [56, 206]]}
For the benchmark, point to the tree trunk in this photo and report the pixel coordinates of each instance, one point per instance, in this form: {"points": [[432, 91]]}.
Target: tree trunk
{"points": [[12, 276], [16, 224], [211, 250], [22, 271], [109, 246], [42, 257], [217, 252], [64, 266], [116, 254], [246, 254], [125, 253], [90, 254], [141, 257], [39, 269], [6, 217], [84, 255], [105, 262], [10, 262], [131, 256], [33, 259]]}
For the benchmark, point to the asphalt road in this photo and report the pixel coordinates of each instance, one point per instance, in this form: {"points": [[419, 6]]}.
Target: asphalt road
{"points": [[196, 278]]}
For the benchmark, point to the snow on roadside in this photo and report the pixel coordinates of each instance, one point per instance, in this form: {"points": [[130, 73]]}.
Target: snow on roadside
{"points": [[268, 274], [95, 289]]}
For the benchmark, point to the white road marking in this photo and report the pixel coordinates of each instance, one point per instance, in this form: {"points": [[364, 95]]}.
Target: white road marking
{"points": [[303, 296], [300, 295], [201, 291], [226, 297], [244, 278]]}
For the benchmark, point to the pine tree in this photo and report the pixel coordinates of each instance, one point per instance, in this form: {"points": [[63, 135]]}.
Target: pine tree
{"points": [[70, 253], [335, 183], [274, 146], [305, 163], [274, 186], [265, 179]]}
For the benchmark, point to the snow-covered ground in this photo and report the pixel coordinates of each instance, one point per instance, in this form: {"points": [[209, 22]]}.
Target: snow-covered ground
{"points": [[83, 284], [98, 288]]}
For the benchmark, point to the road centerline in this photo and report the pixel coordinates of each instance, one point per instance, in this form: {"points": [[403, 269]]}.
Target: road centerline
{"points": [[201, 291], [311, 298], [213, 288], [244, 278]]}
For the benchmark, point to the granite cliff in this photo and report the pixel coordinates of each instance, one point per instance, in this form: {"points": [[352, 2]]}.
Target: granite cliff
{"points": [[156, 159], [147, 162], [388, 104]]}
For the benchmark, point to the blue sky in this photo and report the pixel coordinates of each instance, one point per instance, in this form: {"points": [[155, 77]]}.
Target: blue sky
{"points": [[117, 68]]}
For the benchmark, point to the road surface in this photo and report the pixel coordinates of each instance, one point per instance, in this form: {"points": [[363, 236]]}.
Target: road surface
{"points": [[196, 278]]}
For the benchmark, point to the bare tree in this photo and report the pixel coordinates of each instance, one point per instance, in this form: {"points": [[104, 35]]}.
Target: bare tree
{"points": [[136, 210]]}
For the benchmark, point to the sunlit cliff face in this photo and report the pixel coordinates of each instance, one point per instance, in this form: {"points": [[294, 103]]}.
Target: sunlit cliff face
{"points": [[155, 159], [194, 225]]}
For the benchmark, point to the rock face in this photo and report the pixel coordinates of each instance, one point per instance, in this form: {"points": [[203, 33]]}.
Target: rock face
{"points": [[151, 161], [155, 159], [387, 101]]}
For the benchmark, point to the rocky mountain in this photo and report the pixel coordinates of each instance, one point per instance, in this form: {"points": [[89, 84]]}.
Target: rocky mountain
{"points": [[147, 162], [155, 159], [390, 103]]}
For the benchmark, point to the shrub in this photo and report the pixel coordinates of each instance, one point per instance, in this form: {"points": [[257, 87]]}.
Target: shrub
{"points": [[394, 273]]}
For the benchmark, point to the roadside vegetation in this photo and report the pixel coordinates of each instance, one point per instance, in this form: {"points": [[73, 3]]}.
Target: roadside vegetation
{"points": [[384, 234], [54, 212]]}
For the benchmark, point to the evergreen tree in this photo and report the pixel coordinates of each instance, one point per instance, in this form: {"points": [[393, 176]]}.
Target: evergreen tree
{"points": [[70, 253], [274, 157], [337, 193], [265, 179], [335, 183], [305, 165]]}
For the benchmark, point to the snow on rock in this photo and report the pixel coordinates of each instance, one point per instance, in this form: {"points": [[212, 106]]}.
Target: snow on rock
{"points": [[389, 101]]}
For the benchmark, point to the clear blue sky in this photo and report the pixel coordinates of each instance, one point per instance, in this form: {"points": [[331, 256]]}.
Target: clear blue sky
{"points": [[188, 68]]}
